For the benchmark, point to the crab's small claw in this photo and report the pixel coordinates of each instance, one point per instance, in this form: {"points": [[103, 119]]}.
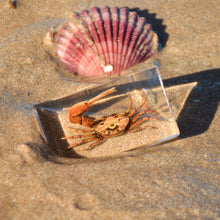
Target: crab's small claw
{"points": [[78, 109]]}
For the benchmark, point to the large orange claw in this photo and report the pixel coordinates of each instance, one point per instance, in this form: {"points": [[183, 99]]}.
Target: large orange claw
{"points": [[78, 109]]}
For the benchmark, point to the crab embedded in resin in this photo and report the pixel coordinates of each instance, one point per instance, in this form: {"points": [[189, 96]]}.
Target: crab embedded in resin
{"points": [[98, 130], [103, 41]]}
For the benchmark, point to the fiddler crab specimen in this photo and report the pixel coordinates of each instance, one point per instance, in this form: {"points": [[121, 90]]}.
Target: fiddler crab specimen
{"points": [[99, 130]]}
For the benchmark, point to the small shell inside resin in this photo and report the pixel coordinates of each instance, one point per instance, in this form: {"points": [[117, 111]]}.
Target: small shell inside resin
{"points": [[103, 41]]}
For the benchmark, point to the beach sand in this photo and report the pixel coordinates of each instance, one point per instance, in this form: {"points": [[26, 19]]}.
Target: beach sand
{"points": [[176, 180]]}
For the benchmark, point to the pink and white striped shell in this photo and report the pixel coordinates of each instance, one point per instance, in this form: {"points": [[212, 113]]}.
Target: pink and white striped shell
{"points": [[104, 41]]}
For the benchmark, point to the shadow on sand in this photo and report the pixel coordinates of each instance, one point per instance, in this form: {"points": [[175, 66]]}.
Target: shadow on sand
{"points": [[157, 25], [202, 103]]}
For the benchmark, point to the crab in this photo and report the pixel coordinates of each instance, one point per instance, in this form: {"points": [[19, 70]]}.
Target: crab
{"points": [[98, 130]]}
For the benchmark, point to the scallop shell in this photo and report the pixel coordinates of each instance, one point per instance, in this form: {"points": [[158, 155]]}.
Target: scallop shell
{"points": [[103, 41]]}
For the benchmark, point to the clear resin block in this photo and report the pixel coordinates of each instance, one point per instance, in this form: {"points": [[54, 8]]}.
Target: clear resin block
{"points": [[132, 112]]}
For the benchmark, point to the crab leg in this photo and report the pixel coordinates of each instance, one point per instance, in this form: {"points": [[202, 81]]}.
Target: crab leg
{"points": [[137, 121], [137, 116], [93, 145], [131, 103], [137, 109], [85, 140], [101, 95], [79, 136], [134, 127], [81, 130]]}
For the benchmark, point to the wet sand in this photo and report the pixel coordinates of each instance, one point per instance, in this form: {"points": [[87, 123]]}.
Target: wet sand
{"points": [[176, 180]]}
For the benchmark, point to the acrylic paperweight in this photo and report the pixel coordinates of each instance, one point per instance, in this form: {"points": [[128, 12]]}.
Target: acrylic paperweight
{"points": [[129, 112]]}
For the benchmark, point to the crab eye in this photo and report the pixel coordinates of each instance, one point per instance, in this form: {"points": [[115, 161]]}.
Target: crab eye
{"points": [[112, 126]]}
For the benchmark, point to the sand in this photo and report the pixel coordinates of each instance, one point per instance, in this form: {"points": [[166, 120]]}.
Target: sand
{"points": [[176, 180]]}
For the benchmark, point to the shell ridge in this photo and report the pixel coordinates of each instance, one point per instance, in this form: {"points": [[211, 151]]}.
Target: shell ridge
{"points": [[79, 50], [80, 32], [67, 51], [144, 48], [115, 28], [140, 41], [101, 32], [94, 48], [89, 30], [134, 39], [83, 34], [93, 31], [129, 32], [122, 27], [108, 32]]}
